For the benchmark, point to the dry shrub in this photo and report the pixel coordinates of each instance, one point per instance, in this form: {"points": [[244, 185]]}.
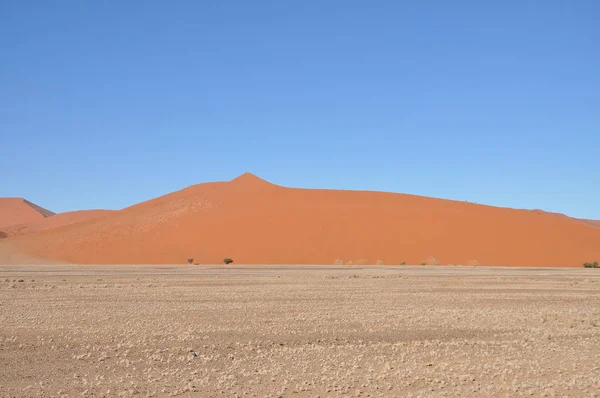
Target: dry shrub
{"points": [[379, 262], [432, 261], [338, 262], [473, 263]]}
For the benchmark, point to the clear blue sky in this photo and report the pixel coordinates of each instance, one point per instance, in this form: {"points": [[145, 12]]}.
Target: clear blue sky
{"points": [[105, 104]]}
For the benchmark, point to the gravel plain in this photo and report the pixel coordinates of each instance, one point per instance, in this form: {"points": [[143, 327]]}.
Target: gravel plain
{"points": [[298, 331]]}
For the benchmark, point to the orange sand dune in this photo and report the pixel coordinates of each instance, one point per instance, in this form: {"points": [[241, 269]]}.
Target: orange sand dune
{"points": [[53, 221], [20, 211], [253, 221]]}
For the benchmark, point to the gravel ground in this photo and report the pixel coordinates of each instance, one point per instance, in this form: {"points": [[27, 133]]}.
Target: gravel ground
{"points": [[298, 331]]}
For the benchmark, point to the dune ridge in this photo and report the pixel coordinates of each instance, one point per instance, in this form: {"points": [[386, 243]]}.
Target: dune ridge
{"points": [[256, 222], [595, 223]]}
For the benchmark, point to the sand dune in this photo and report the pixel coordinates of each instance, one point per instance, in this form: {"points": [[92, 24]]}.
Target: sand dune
{"points": [[256, 222], [20, 211], [54, 221]]}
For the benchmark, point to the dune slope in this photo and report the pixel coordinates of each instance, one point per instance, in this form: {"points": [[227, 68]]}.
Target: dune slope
{"points": [[253, 221], [20, 211], [53, 221]]}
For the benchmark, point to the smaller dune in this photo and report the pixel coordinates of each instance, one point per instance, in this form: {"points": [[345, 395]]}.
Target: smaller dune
{"points": [[15, 211], [54, 221]]}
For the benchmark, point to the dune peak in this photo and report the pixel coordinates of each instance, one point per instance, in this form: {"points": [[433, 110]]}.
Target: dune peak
{"points": [[249, 178]]}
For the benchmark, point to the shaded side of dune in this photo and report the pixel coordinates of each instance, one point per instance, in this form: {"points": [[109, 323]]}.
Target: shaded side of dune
{"points": [[594, 223]]}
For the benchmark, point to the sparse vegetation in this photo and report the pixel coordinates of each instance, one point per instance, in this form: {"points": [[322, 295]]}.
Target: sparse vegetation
{"points": [[403, 263], [379, 262], [339, 261], [422, 264], [227, 260], [591, 265]]}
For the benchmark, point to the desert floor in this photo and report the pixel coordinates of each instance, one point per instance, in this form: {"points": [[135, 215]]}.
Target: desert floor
{"points": [[298, 331]]}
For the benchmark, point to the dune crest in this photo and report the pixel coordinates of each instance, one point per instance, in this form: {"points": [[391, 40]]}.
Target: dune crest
{"points": [[594, 223], [250, 182], [249, 178]]}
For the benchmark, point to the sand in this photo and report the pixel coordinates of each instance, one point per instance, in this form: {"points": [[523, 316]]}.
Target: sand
{"points": [[298, 331], [595, 223], [52, 222], [20, 211], [256, 222]]}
